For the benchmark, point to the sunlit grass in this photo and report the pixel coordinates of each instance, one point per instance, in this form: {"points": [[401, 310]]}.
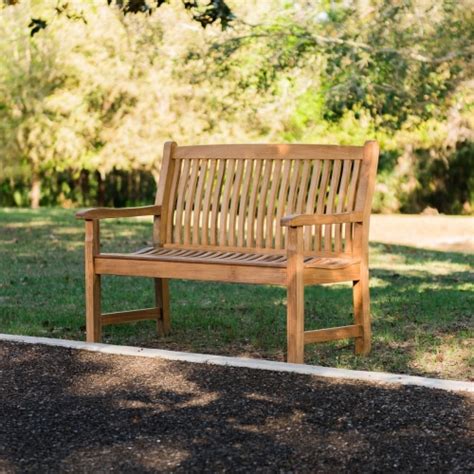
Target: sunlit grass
{"points": [[422, 301]]}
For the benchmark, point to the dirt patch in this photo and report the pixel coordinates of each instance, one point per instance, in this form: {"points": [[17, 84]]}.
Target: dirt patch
{"points": [[446, 233], [74, 411]]}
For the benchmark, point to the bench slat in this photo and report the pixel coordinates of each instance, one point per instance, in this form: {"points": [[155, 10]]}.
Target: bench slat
{"points": [[224, 210], [207, 202], [274, 152], [341, 203], [191, 199], [234, 202], [322, 193], [243, 203], [310, 204], [253, 205], [281, 204], [351, 193], [221, 256]]}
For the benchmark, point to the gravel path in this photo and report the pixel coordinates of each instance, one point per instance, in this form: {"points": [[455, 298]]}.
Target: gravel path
{"points": [[63, 410]]}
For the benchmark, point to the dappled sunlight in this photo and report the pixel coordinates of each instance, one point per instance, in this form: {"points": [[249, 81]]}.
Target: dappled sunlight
{"points": [[28, 225], [62, 230], [101, 411], [445, 360], [143, 454], [378, 283]]}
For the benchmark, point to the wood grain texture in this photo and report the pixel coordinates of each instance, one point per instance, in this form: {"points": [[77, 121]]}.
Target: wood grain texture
{"points": [[121, 317], [114, 213], [295, 296], [332, 334], [191, 271], [92, 284], [264, 152], [258, 258]]}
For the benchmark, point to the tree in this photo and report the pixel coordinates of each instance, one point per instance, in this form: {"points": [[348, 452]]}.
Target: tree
{"points": [[44, 123], [397, 71], [105, 94], [204, 13]]}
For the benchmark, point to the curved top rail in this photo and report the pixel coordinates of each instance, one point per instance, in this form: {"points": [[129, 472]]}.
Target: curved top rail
{"points": [[259, 151]]}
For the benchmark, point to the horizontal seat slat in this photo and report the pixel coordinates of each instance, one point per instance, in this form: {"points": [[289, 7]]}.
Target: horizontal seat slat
{"points": [[273, 152], [256, 258]]}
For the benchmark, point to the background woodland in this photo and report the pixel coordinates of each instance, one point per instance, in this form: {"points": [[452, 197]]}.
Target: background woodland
{"points": [[87, 102]]}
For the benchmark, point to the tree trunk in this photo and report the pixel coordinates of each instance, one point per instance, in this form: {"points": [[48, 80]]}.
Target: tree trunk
{"points": [[84, 186], [100, 189], [35, 195]]}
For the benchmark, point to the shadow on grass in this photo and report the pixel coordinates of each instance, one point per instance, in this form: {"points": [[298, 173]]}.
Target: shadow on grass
{"points": [[66, 410]]}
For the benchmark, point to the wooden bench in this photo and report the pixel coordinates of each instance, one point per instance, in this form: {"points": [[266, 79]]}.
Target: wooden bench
{"points": [[291, 215]]}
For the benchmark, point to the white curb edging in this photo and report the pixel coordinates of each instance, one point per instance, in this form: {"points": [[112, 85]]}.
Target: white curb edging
{"points": [[319, 371]]}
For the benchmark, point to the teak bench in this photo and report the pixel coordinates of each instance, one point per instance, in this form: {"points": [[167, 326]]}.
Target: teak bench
{"points": [[291, 215]]}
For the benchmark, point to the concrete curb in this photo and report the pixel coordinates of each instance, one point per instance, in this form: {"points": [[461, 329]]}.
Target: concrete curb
{"points": [[383, 377]]}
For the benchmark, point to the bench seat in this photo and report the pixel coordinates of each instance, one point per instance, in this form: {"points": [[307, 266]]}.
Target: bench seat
{"points": [[216, 257]]}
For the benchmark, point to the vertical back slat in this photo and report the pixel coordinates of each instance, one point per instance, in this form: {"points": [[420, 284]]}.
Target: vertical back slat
{"points": [[198, 228], [294, 178], [243, 208], [173, 199], [183, 180], [281, 206], [262, 203], [341, 202], [206, 207], [276, 178], [303, 187], [253, 204], [336, 173], [321, 201], [216, 201], [311, 202], [351, 193], [234, 203], [224, 214], [190, 202]]}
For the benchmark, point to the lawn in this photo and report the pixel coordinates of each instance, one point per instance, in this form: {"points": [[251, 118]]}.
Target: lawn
{"points": [[422, 300]]}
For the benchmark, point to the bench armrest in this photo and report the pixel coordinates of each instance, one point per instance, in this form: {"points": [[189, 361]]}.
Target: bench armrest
{"points": [[108, 213], [297, 220]]}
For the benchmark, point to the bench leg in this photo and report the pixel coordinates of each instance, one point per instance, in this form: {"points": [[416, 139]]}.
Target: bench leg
{"points": [[295, 324], [361, 298], [162, 297], [295, 297], [93, 323]]}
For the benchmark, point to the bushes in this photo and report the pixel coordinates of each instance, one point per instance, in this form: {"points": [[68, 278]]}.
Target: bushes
{"points": [[117, 188]]}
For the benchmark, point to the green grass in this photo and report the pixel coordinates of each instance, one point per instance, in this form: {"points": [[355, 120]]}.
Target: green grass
{"points": [[422, 301]]}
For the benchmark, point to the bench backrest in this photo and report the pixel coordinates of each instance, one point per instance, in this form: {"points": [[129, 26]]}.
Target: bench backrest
{"points": [[233, 196]]}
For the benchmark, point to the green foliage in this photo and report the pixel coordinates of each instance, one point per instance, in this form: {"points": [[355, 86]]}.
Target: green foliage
{"points": [[397, 71], [98, 91], [214, 11]]}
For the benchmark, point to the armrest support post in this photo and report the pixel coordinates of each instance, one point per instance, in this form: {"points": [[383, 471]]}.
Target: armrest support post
{"points": [[92, 283], [295, 296], [92, 239]]}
